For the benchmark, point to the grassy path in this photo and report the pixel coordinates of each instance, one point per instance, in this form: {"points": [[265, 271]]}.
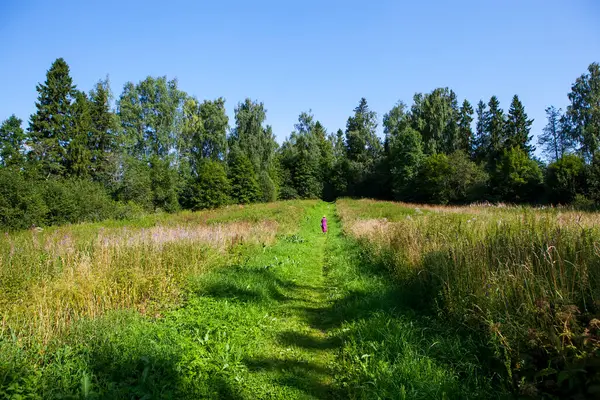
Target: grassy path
{"points": [[262, 311]]}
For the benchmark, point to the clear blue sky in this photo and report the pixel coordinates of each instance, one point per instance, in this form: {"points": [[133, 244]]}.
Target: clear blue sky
{"points": [[310, 54]]}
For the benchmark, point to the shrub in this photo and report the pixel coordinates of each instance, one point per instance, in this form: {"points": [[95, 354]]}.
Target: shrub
{"points": [[565, 179], [21, 201]]}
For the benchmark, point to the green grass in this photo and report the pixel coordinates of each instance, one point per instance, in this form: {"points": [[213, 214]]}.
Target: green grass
{"points": [[308, 316], [525, 281]]}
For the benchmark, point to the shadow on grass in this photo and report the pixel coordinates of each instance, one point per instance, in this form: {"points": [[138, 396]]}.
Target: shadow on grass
{"points": [[306, 377]]}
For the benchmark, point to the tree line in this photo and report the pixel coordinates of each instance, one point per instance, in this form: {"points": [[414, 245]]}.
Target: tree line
{"points": [[163, 149]]}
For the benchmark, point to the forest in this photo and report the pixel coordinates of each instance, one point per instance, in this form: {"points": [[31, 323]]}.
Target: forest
{"points": [[91, 156]]}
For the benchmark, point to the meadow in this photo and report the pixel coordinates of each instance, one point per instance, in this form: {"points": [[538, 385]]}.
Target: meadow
{"points": [[525, 280], [396, 301]]}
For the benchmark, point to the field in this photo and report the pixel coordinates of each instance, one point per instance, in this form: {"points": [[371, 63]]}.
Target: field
{"points": [[395, 301]]}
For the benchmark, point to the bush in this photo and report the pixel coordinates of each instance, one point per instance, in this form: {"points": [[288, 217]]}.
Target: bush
{"points": [[21, 201], [517, 178], [451, 179], [565, 179], [25, 202], [73, 201]]}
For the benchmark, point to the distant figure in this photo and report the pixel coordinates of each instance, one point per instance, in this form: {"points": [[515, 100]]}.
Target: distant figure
{"points": [[324, 224]]}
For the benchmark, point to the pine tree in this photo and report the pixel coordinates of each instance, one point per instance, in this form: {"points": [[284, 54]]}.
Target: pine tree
{"points": [[78, 157], [362, 143], [465, 133], [517, 127], [51, 127], [12, 141], [482, 140], [494, 128], [363, 150]]}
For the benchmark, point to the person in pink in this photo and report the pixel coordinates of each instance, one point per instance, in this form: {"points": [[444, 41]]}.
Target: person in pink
{"points": [[324, 224]]}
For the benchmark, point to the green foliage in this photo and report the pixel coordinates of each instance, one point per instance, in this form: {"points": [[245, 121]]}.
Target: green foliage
{"points": [[21, 201], [212, 187], [405, 158], [52, 126], [555, 139], [306, 157], [204, 132], [26, 201], [584, 111], [518, 127], [78, 157], [135, 185], [436, 116], [105, 139], [451, 179], [363, 151], [517, 178], [244, 186], [12, 140], [76, 200], [164, 183], [494, 131], [465, 133], [566, 178], [149, 113], [481, 142]]}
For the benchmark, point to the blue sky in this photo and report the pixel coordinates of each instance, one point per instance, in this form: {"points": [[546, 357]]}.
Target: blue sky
{"points": [[300, 55]]}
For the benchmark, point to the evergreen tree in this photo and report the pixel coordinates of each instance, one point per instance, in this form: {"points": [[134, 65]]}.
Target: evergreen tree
{"points": [[78, 157], [51, 127], [363, 150], [465, 133], [482, 140], [338, 177], [517, 127], [362, 142], [494, 127], [12, 141]]}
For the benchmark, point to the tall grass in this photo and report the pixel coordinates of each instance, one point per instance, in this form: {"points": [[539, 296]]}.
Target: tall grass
{"points": [[53, 277], [528, 280]]}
